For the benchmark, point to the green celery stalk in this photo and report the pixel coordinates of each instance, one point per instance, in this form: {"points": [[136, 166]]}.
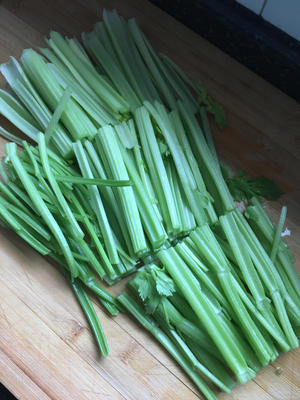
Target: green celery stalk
{"points": [[137, 311], [118, 223], [198, 196], [108, 143], [102, 57], [76, 230], [211, 363], [57, 114], [92, 78], [277, 236], [143, 47], [93, 106], [97, 204], [90, 229], [16, 114], [73, 117], [189, 286], [152, 225], [11, 220], [210, 170], [91, 316], [269, 275], [41, 207], [35, 224], [129, 59], [157, 170], [92, 181]]}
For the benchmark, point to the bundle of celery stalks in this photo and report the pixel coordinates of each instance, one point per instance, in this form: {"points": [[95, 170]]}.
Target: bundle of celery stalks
{"points": [[124, 173]]}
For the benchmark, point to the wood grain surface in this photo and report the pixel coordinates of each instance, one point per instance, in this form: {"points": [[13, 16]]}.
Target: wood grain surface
{"points": [[46, 348]]}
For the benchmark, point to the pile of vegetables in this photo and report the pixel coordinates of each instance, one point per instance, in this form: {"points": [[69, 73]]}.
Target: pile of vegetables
{"points": [[121, 175]]}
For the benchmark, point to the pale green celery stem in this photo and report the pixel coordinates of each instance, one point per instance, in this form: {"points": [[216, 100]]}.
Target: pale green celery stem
{"points": [[196, 181], [224, 275], [22, 232], [126, 133], [172, 175], [153, 184], [197, 365], [126, 54], [107, 138], [14, 75], [93, 79], [102, 35], [185, 174], [177, 86], [242, 257], [178, 70], [143, 47], [97, 205], [263, 227], [95, 181], [41, 207], [188, 328], [76, 230], [179, 80], [13, 199], [146, 179], [188, 215], [34, 223], [102, 57], [57, 57], [10, 136], [91, 104], [21, 195], [197, 267], [277, 236], [136, 310], [152, 224], [4, 173], [87, 98], [251, 331], [269, 275], [42, 114], [77, 47], [208, 134], [215, 181], [105, 298], [267, 228], [108, 193], [17, 107], [92, 259], [10, 110], [275, 333], [74, 117], [189, 286], [244, 347], [177, 199], [91, 316], [117, 222], [89, 227], [57, 114], [156, 167], [271, 271], [211, 363]]}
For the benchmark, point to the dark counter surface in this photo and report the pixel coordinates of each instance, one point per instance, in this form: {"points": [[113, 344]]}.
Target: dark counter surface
{"points": [[245, 36]]}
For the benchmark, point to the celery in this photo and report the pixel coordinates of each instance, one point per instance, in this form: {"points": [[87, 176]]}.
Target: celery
{"points": [[109, 147], [97, 204]]}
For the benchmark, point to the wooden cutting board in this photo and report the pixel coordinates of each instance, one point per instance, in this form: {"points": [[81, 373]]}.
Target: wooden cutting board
{"points": [[46, 349]]}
